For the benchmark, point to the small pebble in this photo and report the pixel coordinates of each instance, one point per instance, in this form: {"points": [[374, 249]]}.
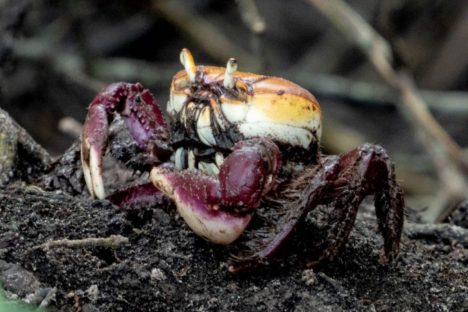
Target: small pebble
{"points": [[309, 277], [93, 292], [157, 275]]}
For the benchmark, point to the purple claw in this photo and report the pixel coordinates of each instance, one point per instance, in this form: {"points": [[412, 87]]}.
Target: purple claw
{"points": [[220, 208], [249, 172], [144, 121], [197, 196]]}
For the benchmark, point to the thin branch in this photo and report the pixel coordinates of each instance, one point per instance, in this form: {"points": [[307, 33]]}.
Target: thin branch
{"points": [[375, 93], [111, 69], [256, 24], [251, 16], [202, 33], [438, 143], [68, 65], [447, 232], [48, 299], [451, 60], [70, 126], [112, 241], [117, 68]]}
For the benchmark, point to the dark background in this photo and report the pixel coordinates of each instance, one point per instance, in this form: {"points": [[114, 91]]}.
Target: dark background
{"points": [[56, 55]]}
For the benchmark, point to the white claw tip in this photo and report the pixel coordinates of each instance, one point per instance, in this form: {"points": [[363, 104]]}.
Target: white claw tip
{"points": [[92, 171], [188, 62], [231, 68]]}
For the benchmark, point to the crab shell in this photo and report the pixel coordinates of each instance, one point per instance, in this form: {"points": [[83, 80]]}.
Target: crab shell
{"points": [[265, 107]]}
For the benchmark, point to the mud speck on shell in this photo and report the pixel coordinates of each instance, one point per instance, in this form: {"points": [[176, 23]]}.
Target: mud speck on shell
{"points": [[167, 268]]}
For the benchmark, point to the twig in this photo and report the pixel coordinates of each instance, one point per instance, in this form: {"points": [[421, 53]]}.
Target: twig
{"points": [[112, 69], [112, 241], [48, 298], [251, 16], [256, 24], [438, 143], [68, 65], [203, 33], [375, 93], [444, 231], [70, 126], [379, 53], [116, 68], [451, 60], [333, 282]]}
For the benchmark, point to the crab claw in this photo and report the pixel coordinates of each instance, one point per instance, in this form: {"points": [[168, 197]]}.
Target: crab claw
{"points": [[93, 144], [197, 199], [144, 121], [220, 208]]}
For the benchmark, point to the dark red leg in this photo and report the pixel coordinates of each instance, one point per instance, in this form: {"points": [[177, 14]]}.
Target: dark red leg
{"points": [[367, 171], [219, 208], [315, 193], [341, 185]]}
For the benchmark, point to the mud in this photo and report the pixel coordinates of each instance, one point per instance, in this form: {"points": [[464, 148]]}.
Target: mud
{"points": [[165, 267]]}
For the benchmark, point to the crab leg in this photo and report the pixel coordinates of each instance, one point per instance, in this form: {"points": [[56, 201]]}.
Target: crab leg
{"points": [[341, 185], [143, 119], [366, 170], [219, 208], [296, 213]]}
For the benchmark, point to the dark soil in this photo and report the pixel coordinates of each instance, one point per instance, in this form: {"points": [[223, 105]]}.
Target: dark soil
{"points": [[165, 267]]}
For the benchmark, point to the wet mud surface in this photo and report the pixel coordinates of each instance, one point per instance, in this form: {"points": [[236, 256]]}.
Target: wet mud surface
{"points": [[165, 267]]}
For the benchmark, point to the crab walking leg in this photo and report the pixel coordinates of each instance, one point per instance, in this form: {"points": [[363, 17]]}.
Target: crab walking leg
{"points": [[341, 184], [316, 191], [364, 171], [389, 207], [143, 118], [220, 208]]}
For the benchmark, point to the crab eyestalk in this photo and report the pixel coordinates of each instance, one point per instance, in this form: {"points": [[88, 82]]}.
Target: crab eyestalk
{"points": [[188, 62], [231, 68]]}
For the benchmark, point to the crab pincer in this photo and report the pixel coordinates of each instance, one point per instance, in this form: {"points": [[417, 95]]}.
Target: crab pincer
{"points": [[220, 208], [143, 119]]}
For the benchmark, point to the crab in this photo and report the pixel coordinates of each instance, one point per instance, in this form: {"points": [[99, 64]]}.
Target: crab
{"points": [[235, 142]]}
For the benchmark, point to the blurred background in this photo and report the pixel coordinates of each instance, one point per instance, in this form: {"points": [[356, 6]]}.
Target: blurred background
{"points": [[56, 55]]}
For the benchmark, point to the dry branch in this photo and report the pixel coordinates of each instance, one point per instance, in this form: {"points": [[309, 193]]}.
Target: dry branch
{"points": [[68, 65], [202, 33], [112, 241], [256, 24], [438, 143], [451, 60], [375, 93], [251, 17], [448, 232]]}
